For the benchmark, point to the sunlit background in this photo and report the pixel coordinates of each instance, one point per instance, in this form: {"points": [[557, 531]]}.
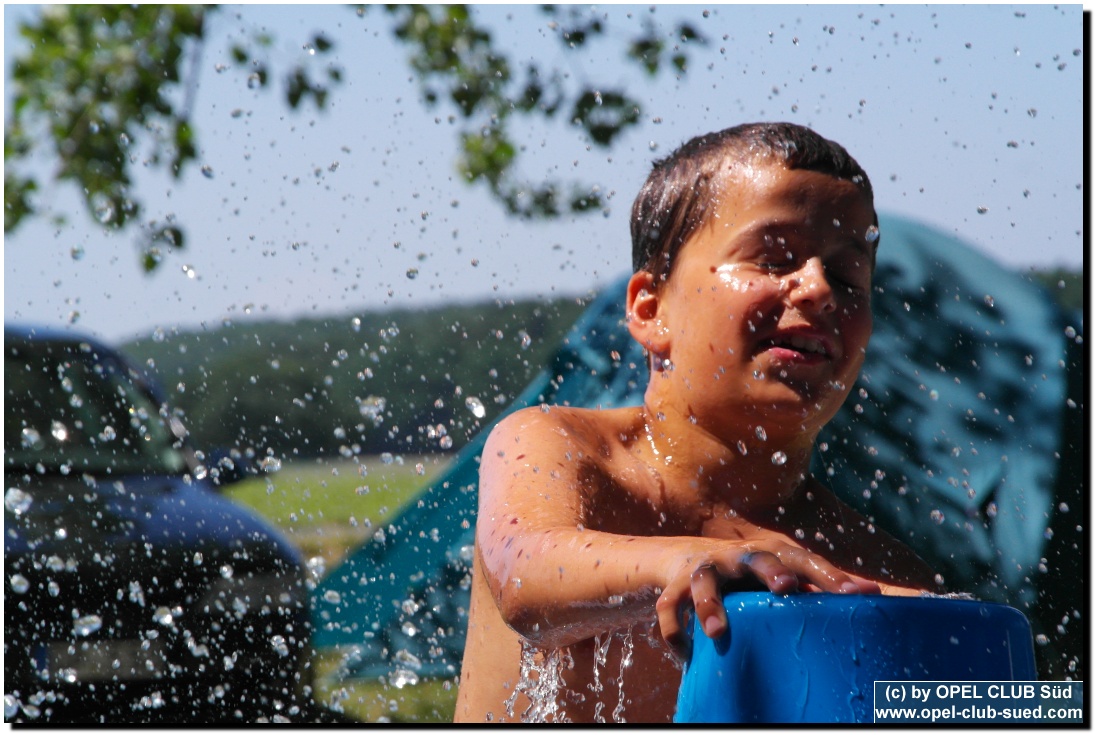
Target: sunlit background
{"points": [[965, 117]]}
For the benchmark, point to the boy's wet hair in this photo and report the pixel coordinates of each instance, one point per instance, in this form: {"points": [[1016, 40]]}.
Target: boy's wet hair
{"points": [[677, 196]]}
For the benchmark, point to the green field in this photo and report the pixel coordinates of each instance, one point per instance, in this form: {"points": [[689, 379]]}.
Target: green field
{"points": [[327, 508]]}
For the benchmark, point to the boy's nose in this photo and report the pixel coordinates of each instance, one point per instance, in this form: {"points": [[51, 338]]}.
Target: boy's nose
{"points": [[810, 287]]}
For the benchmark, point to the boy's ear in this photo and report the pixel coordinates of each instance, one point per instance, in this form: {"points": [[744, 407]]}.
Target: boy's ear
{"points": [[644, 314]]}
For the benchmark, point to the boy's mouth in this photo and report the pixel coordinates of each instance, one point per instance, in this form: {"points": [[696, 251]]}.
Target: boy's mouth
{"points": [[798, 347]]}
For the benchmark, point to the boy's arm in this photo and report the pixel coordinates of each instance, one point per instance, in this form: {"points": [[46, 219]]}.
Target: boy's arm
{"points": [[556, 583]]}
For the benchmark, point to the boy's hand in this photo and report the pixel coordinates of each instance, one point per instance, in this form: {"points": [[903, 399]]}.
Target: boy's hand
{"points": [[700, 581]]}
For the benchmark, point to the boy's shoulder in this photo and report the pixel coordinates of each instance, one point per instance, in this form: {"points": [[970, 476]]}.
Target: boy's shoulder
{"points": [[581, 425], [572, 441]]}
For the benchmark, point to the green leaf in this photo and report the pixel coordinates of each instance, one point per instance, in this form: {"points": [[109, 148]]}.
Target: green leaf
{"points": [[647, 51]]}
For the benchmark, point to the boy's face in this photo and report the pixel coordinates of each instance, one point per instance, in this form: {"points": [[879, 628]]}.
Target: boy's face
{"points": [[767, 310]]}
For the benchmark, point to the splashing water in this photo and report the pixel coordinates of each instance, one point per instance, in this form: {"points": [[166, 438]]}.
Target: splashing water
{"points": [[543, 691], [543, 683], [600, 658], [625, 663]]}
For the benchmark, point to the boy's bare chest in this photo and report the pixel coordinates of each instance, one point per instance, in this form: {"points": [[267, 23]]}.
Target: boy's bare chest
{"points": [[630, 500]]}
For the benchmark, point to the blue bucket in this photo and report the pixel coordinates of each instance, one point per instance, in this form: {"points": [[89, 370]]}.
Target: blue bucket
{"points": [[814, 657]]}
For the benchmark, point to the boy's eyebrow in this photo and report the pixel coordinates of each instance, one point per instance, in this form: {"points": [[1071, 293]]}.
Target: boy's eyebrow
{"points": [[777, 227]]}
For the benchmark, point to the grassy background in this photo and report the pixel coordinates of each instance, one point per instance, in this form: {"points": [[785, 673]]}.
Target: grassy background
{"points": [[328, 508]]}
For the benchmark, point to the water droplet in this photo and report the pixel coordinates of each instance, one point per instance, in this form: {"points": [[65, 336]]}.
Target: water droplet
{"points": [[982, 210], [409, 630], [446, 442], [163, 616], [102, 208], [761, 433], [412, 273], [403, 677], [799, 533], [1041, 639], [742, 448], [77, 252], [86, 625], [207, 171], [779, 458], [526, 340], [1070, 332], [989, 301], [31, 438], [270, 464], [278, 643], [19, 584], [475, 406], [254, 81], [872, 234], [17, 500], [938, 517], [934, 395]]}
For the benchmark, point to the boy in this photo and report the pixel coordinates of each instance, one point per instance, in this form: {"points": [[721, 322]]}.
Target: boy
{"points": [[753, 251]]}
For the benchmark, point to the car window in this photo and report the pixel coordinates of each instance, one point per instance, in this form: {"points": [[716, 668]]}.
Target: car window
{"points": [[69, 409]]}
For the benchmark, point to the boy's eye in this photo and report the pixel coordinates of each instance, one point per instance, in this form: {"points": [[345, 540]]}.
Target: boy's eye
{"points": [[853, 280], [777, 260]]}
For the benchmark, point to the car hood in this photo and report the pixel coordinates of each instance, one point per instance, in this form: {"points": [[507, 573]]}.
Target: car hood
{"points": [[75, 516], [121, 550]]}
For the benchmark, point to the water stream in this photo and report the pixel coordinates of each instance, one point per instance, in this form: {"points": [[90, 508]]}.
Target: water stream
{"points": [[542, 680]]}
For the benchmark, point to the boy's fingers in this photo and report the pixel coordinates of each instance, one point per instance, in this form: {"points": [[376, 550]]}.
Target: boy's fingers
{"points": [[865, 586], [707, 601], [668, 608], [769, 569], [822, 574], [784, 570]]}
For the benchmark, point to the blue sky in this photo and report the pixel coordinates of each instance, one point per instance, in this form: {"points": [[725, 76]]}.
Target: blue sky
{"points": [[968, 118]]}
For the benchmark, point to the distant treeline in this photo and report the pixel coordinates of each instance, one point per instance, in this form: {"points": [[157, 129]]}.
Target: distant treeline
{"points": [[404, 381], [1065, 286], [407, 381]]}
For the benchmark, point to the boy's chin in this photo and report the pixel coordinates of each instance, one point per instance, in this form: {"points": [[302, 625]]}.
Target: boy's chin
{"points": [[802, 409]]}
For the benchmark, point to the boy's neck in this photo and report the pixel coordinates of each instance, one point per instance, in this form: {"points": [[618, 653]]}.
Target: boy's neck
{"points": [[749, 470]]}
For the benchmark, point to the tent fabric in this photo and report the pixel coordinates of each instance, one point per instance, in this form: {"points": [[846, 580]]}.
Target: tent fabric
{"points": [[951, 440]]}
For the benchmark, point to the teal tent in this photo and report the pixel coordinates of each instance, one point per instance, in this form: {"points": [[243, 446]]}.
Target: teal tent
{"points": [[964, 436]]}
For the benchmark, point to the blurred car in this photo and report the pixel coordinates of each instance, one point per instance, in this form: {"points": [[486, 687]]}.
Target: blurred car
{"points": [[134, 591]]}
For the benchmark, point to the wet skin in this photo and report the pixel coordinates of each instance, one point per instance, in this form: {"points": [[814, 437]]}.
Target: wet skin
{"points": [[592, 521]]}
